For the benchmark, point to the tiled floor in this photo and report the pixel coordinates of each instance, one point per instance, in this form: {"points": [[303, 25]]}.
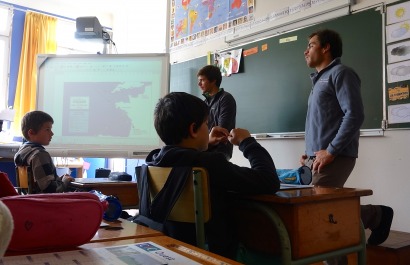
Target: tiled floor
{"points": [[394, 251], [397, 240]]}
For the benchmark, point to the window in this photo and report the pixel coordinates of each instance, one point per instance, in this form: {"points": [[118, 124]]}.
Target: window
{"points": [[6, 15], [142, 33]]}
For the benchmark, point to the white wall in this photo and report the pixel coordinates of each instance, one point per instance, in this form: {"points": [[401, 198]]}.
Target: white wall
{"points": [[383, 161], [70, 9], [145, 32]]}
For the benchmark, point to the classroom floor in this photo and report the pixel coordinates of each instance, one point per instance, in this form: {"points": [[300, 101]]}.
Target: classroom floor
{"points": [[394, 251]]}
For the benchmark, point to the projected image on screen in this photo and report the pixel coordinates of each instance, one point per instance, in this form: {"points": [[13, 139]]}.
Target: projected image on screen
{"points": [[118, 103], [102, 105]]}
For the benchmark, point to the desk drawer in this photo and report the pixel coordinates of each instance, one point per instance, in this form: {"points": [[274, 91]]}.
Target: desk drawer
{"points": [[321, 226], [125, 191], [127, 195]]}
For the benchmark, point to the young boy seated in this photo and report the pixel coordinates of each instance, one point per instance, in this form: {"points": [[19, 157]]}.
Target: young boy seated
{"points": [[181, 121], [36, 127]]}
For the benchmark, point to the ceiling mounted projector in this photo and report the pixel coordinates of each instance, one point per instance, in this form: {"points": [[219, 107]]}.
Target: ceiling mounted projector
{"points": [[88, 28]]}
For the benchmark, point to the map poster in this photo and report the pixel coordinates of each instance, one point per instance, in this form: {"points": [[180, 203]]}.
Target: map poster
{"points": [[196, 20], [228, 62]]}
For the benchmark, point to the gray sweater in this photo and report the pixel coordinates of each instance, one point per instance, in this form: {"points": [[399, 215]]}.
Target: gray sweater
{"points": [[335, 111]]}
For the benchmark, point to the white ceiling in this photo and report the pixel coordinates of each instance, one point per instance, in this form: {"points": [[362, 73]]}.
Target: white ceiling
{"points": [[104, 6], [103, 9]]}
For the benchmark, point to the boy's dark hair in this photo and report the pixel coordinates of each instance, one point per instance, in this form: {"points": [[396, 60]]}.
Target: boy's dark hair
{"points": [[175, 112], [34, 120], [211, 72], [331, 37]]}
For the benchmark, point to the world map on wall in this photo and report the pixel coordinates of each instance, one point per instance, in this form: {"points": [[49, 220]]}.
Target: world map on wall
{"points": [[192, 19]]}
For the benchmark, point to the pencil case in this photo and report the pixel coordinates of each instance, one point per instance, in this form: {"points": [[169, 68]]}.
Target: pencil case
{"points": [[6, 187], [58, 220]]}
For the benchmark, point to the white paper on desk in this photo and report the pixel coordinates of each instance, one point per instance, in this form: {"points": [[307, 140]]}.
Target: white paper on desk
{"points": [[147, 253], [159, 252], [88, 256], [284, 186]]}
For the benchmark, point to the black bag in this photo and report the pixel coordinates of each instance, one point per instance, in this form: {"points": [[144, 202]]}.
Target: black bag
{"points": [[102, 173]]}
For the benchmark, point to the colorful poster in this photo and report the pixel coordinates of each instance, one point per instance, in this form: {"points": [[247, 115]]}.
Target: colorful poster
{"points": [[399, 113], [398, 31], [398, 13], [398, 72], [398, 93], [228, 62], [398, 52], [195, 19]]}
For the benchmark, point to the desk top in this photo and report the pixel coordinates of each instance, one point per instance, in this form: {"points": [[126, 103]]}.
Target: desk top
{"points": [[8, 150], [311, 194], [123, 229], [81, 182], [189, 251]]}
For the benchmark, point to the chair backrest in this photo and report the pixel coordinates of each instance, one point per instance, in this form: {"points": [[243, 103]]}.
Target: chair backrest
{"points": [[184, 208], [24, 179], [193, 205]]}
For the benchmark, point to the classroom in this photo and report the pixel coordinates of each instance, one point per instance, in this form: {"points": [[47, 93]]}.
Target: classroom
{"points": [[383, 150]]}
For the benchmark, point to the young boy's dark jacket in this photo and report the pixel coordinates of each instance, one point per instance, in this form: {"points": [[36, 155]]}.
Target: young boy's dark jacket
{"points": [[224, 177]]}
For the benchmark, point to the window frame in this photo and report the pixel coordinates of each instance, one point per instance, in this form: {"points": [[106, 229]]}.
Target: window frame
{"points": [[5, 49]]}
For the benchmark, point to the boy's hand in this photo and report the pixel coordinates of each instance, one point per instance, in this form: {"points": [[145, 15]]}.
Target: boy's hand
{"points": [[238, 135], [218, 135], [67, 178]]}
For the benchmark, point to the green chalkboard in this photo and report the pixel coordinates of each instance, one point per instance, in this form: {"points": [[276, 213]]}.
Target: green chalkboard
{"points": [[273, 86]]}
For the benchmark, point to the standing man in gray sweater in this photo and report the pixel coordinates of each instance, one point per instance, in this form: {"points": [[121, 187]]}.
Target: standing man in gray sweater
{"points": [[334, 116]]}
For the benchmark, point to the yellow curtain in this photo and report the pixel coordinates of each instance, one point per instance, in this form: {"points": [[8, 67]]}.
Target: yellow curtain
{"points": [[39, 38]]}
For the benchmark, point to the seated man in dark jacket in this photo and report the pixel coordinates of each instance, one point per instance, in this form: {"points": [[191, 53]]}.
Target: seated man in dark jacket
{"points": [[181, 121]]}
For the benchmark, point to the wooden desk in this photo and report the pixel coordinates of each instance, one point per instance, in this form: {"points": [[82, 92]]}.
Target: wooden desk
{"points": [[196, 254], [303, 224], [189, 251], [125, 191], [129, 230], [8, 150]]}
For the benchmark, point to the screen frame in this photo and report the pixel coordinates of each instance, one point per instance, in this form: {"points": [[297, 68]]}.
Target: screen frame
{"points": [[60, 149]]}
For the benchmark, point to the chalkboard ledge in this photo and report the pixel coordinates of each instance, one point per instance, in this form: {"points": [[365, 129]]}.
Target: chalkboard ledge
{"points": [[288, 135], [301, 135]]}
